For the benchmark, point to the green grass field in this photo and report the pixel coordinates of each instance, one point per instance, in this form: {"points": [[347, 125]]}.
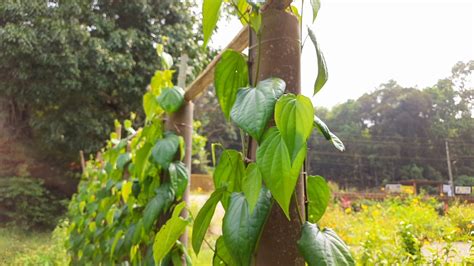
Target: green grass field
{"points": [[377, 232]]}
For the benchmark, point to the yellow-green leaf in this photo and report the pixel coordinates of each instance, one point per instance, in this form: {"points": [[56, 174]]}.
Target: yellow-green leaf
{"points": [[126, 190], [210, 16]]}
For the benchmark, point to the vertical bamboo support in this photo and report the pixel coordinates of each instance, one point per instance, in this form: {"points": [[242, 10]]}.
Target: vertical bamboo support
{"points": [[280, 57], [181, 123]]}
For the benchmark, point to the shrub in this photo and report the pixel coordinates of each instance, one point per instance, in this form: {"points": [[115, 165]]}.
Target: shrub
{"points": [[26, 203], [462, 217]]}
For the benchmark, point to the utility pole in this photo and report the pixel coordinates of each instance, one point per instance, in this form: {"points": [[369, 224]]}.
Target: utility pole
{"points": [[450, 173]]}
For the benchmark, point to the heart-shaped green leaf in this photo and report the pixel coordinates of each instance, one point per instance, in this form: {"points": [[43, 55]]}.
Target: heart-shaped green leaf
{"points": [[162, 200], [251, 185], [322, 68], [203, 219], [254, 106], [229, 173], [294, 119], [324, 130], [171, 99], [150, 105], [230, 75], [323, 247], [318, 193], [166, 238], [241, 230], [222, 255], [178, 178], [165, 149], [274, 162]]}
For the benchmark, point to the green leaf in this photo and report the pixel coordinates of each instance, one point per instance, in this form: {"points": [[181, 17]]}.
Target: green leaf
{"points": [[322, 127], [251, 185], [241, 230], [222, 255], [231, 73], [141, 159], [122, 160], [315, 4], [171, 99], [163, 199], [210, 15], [242, 9], [323, 247], [126, 190], [165, 149], [274, 162], [255, 21], [298, 162], [178, 178], [166, 238], [322, 68], [318, 193], [324, 130], [203, 219], [253, 107], [150, 104], [229, 173], [136, 188], [294, 119]]}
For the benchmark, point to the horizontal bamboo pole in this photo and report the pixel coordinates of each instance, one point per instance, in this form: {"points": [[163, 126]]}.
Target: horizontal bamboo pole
{"points": [[202, 82]]}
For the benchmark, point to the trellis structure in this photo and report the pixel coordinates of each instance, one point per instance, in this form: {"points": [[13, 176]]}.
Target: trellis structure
{"points": [[281, 43]]}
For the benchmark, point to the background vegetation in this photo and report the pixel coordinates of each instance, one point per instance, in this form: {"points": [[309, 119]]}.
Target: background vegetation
{"points": [[390, 134]]}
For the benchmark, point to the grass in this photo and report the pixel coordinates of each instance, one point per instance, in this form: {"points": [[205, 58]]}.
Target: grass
{"points": [[374, 231], [18, 247]]}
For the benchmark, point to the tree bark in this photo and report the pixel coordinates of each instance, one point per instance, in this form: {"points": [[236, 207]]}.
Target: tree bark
{"points": [[280, 57]]}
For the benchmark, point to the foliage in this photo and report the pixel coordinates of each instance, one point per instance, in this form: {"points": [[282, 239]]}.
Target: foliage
{"points": [[396, 230], [63, 62], [247, 189], [396, 133], [26, 203], [20, 247], [122, 211]]}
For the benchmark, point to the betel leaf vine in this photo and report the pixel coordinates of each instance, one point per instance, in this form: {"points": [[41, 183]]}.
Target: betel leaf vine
{"points": [[323, 247], [127, 209], [322, 76], [281, 124], [254, 106], [231, 75]]}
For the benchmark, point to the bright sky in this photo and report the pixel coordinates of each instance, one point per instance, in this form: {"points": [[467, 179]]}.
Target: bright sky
{"points": [[368, 42]]}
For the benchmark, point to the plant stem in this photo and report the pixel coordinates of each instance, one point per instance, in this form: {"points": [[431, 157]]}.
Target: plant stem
{"points": [[259, 51], [213, 250], [240, 13], [300, 217], [242, 141]]}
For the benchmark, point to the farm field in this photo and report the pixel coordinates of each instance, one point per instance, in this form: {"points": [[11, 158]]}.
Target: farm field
{"points": [[389, 232]]}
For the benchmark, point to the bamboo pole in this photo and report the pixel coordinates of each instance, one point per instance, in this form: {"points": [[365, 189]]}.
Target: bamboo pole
{"points": [[202, 82]]}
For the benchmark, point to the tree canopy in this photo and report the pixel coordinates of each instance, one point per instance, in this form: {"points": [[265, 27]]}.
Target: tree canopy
{"points": [[69, 68], [398, 133]]}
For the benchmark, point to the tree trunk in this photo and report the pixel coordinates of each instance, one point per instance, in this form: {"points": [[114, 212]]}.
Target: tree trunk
{"points": [[280, 57]]}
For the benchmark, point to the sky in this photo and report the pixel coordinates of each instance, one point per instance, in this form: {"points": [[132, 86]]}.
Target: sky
{"points": [[368, 42]]}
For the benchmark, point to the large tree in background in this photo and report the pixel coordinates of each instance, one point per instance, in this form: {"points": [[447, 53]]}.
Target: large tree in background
{"points": [[68, 68], [398, 133]]}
